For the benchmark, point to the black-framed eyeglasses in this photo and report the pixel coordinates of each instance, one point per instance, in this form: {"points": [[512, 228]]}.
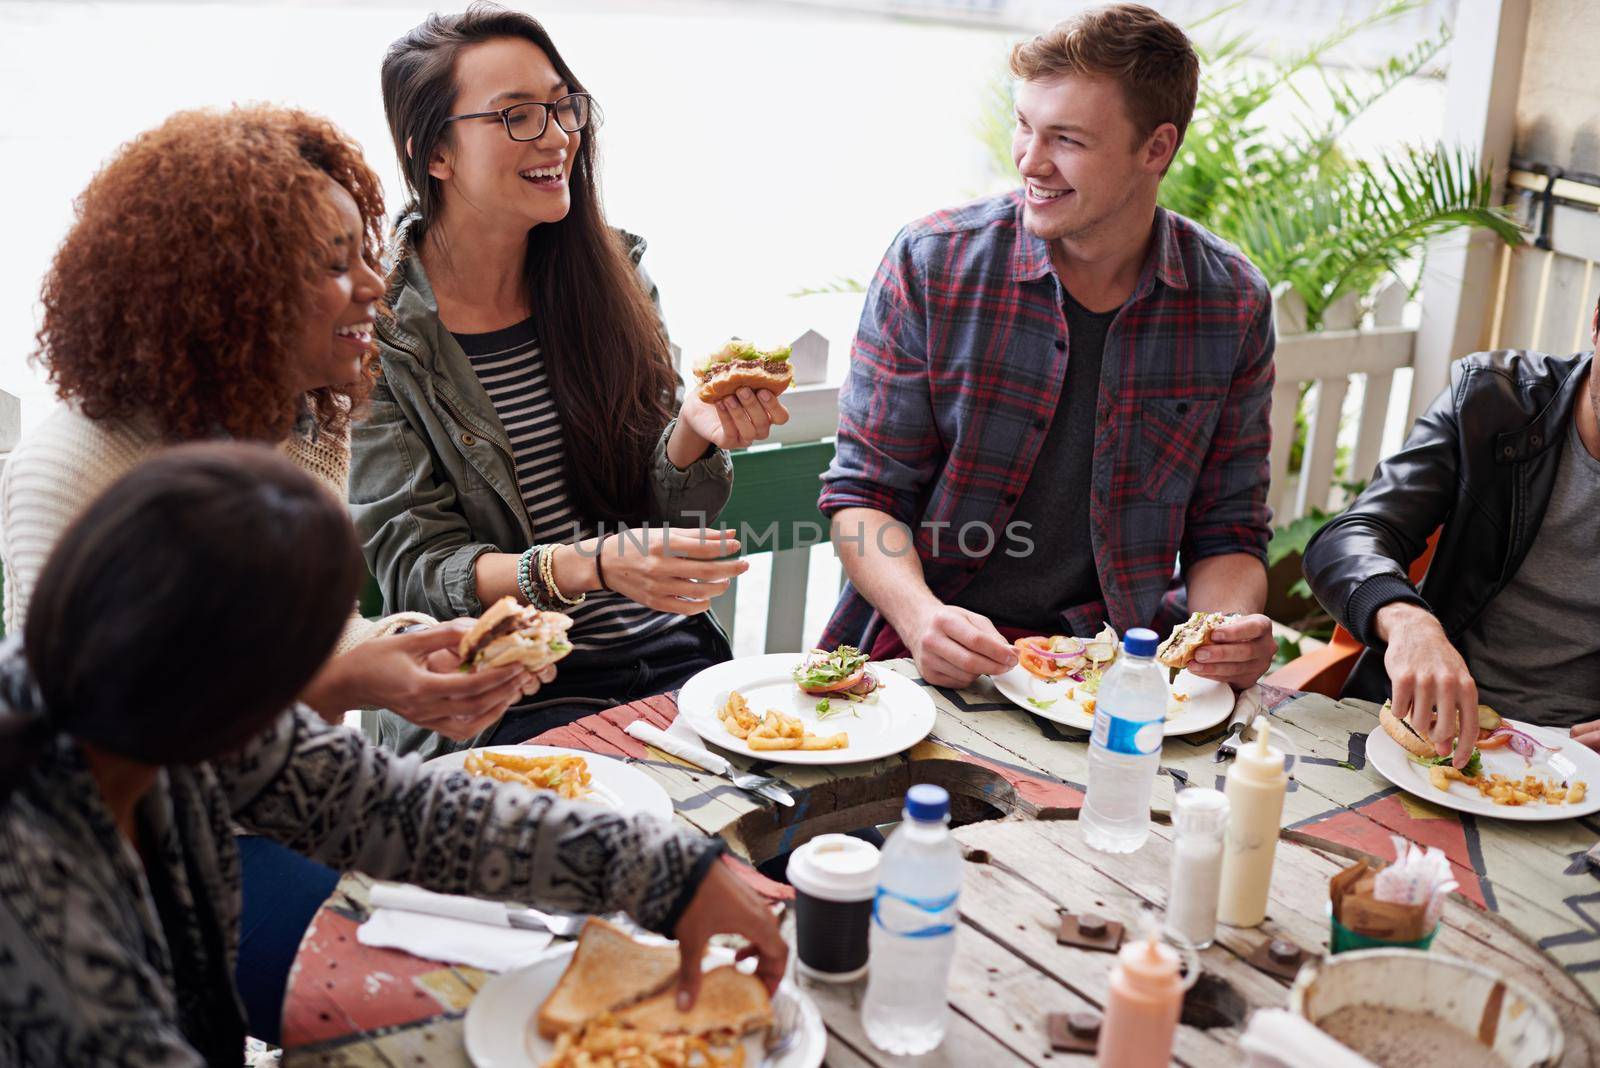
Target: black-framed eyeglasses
{"points": [[528, 121]]}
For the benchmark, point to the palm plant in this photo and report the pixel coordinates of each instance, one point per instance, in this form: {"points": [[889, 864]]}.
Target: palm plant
{"points": [[1304, 210]]}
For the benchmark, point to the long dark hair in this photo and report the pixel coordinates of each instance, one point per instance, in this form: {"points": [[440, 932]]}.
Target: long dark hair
{"points": [[607, 358], [183, 610]]}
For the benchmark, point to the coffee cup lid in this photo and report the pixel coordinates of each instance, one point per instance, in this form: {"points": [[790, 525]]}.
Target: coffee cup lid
{"points": [[835, 867]]}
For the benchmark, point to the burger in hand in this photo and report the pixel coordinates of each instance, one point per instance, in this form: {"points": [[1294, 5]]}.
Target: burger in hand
{"points": [[740, 365], [1422, 750], [513, 633]]}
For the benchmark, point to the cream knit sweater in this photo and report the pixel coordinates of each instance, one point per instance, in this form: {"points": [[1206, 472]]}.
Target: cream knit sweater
{"points": [[67, 460]]}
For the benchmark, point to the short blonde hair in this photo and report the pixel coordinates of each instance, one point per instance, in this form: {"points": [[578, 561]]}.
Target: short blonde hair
{"points": [[1146, 54]]}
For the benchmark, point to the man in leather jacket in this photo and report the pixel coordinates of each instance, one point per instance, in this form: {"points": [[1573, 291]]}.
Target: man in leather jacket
{"points": [[1506, 465]]}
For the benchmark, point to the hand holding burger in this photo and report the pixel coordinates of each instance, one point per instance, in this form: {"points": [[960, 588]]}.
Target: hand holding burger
{"points": [[511, 633], [732, 401], [1432, 686]]}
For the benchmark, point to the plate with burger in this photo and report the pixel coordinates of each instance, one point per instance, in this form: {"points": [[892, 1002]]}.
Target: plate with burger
{"points": [[1518, 771], [583, 1002], [1058, 678], [819, 694]]}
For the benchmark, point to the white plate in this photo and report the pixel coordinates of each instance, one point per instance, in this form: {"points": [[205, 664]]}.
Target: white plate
{"points": [[611, 782], [1396, 765], [899, 716], [500, 1033], [1209, 702]]}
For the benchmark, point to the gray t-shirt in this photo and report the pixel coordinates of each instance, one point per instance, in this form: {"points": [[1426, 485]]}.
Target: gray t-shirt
{"points": [[1535, 650], [1032, 591]]}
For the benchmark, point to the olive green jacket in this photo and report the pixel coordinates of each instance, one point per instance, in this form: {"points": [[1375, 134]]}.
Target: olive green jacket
{"points": [[433, 481]]}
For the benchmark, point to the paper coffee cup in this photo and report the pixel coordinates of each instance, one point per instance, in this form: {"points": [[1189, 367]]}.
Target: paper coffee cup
{"points": [[835, 878]]}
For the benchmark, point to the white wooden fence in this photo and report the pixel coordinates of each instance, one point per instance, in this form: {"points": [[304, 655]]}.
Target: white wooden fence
{"points": [[1352, 400]]}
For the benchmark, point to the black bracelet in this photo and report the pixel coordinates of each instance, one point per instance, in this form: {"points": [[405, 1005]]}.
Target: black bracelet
{"points": [[599, 564]]}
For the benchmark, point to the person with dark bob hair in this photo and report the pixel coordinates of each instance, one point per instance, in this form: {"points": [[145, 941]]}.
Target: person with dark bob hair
{"points": [[142, 714], [528, 404], [219, 281]]}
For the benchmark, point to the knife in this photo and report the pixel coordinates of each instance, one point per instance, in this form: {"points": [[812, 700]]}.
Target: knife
{"points": [[472, 909], [760, 785]]}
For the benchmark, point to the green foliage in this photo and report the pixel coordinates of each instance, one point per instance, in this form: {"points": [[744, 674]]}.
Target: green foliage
{"points": [[840, 284], [1303, 210], [1292, 538]]}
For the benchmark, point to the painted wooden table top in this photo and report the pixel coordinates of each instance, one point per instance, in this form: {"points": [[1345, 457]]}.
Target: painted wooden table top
{"points": [[1537, 902]]}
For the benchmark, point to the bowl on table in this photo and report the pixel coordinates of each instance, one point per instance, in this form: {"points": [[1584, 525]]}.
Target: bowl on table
{"points": [[1406, 992]]}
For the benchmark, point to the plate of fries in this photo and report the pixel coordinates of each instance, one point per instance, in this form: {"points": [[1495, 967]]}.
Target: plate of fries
{"points": [[571, 773], [753, 707], [1561, 781], [499, 1030]]}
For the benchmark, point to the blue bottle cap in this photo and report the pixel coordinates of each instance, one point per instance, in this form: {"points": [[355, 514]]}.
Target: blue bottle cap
{"points": [[927, 802], [1140, 642]]}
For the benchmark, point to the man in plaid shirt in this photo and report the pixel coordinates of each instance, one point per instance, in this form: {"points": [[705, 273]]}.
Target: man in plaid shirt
{"points": [[1057, 406]]}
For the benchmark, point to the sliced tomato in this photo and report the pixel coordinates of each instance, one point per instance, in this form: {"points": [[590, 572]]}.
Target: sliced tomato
{"points": [[837, 687], [1494, 741], [1040, 667]]}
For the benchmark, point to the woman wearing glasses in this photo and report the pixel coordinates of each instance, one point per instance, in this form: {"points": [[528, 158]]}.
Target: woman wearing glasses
{"points": [[527, 405]]}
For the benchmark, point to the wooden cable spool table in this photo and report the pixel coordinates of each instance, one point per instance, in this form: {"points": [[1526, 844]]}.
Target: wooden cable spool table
{"points": [[1529, 904]]}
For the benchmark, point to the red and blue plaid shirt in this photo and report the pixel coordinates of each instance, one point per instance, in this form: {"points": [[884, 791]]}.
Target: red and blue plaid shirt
{"points": [[958, 367]]}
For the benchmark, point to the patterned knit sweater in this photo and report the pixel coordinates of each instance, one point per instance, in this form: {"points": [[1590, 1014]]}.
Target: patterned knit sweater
{"points": [[69, 459]]}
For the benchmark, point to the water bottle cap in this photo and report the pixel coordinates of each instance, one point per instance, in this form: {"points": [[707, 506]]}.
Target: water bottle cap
{"points": [[1140, 642], [927, 802]]}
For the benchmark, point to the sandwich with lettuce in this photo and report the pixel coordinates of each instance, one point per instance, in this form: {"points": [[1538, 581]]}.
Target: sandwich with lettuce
{"points": [[739, 365]]}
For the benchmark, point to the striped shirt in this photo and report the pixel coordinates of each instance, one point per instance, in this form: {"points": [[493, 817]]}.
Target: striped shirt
{"points": [[511, 368]]}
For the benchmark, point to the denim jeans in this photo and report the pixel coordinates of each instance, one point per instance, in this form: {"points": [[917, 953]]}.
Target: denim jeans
{"points": [[282, 893]]}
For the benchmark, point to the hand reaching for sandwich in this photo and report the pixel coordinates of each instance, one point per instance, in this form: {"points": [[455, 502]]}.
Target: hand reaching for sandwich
{"points": [[677, 571], [1430, 682], [954, 646], [416, 675], [1237, 652], [724, 904]]}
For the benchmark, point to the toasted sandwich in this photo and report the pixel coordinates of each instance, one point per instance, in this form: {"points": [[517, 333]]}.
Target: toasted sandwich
{"points": [[609, 971], [730, 1003]]}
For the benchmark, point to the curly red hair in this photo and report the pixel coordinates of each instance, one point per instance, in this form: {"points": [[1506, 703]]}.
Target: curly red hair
{"points": [[181, 288]]}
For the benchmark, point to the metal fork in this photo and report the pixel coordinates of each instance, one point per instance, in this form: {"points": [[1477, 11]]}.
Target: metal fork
{"points": [[765, 785], [786, 1015], [785, 1030], [560, 924], [1230, 745]]}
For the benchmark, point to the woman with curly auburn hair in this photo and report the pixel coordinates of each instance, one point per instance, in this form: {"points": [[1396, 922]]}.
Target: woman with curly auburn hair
{"points": [[528, 404], [219, 282]]}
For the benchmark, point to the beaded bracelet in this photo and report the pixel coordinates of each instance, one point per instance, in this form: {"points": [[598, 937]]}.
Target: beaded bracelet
{"points": [[547, 575], [525, 584]]}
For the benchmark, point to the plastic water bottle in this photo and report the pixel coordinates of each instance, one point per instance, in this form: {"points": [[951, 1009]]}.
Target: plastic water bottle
{"points": [[1130, 715], [914, 921]]}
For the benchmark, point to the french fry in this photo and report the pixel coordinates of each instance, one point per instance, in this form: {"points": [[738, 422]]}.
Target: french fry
{"points": [[774, 730], [565, 775], [762, 741]]}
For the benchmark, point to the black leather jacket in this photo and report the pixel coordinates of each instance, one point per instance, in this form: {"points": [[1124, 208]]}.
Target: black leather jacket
{"points": [[1480, 462]]}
